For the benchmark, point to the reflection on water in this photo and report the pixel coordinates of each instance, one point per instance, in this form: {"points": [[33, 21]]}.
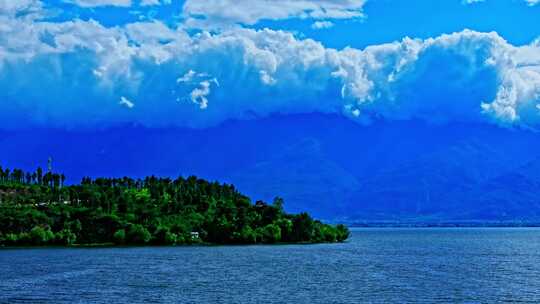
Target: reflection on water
{"points": [[376, 266]]}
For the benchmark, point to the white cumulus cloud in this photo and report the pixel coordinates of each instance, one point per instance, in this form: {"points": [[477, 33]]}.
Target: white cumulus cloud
{"points": [[97, 3], [75, 72], [471, 1], [154, 2], [200, 94], [528, 2], [126, 102], [220, 13], [187, 77], [317, 25]]}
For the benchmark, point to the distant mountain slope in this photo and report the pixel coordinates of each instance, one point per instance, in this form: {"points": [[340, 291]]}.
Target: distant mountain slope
{"points": [[513, 196], [451, 183], [325, 164], [303, 174]]}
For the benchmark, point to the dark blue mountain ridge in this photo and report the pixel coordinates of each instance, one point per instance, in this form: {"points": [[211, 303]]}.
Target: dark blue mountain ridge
{"points": [[325, 164]]}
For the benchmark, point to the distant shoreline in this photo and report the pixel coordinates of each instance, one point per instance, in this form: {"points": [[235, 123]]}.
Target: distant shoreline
{"points": [[445, 225], [114, 246]]}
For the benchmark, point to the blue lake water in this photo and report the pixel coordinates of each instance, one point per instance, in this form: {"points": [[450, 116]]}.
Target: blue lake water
{"points": [[467, 265]]}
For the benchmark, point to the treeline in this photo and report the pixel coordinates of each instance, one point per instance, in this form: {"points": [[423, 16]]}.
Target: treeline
{"points": [[38, 177], [36, 208]]}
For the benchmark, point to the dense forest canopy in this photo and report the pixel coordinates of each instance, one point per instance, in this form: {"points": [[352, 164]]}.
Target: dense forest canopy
{"points": [[37, 208]]}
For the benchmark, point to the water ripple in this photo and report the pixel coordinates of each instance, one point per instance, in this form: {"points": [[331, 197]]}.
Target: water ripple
{"points": [[375, 266]]}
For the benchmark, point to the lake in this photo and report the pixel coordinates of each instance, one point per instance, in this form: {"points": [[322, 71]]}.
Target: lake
{"points": [[420, 265]]}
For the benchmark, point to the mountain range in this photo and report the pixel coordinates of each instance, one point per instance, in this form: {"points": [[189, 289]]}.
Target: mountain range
{"points": [[328, 165]]}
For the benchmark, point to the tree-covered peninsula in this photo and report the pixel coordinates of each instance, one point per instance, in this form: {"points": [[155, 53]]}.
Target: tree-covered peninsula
{"points": [[37, 208]]}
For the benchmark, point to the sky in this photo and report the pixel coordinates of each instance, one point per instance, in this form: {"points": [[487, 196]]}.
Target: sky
{"points": [[161, 63]]}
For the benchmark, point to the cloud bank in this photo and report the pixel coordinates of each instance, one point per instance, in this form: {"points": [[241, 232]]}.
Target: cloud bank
{"points": [[528, 2], [224, 13], [83, 74], [98, 3]]}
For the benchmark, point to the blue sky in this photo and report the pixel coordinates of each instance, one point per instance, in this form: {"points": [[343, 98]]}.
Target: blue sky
{"points": [[382, 21], [96, 63]]}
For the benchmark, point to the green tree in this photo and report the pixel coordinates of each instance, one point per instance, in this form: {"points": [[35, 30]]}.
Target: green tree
{"points": [[39, 173], [302, 228], [40, 236], [40, 209], [137, 234], [271, 233], [120, 237], [248, 235], [65, 237], [342, 232]]}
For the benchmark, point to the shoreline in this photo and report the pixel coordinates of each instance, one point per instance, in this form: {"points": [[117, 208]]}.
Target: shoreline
{"points": [[111, 245], [446, 225]]}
